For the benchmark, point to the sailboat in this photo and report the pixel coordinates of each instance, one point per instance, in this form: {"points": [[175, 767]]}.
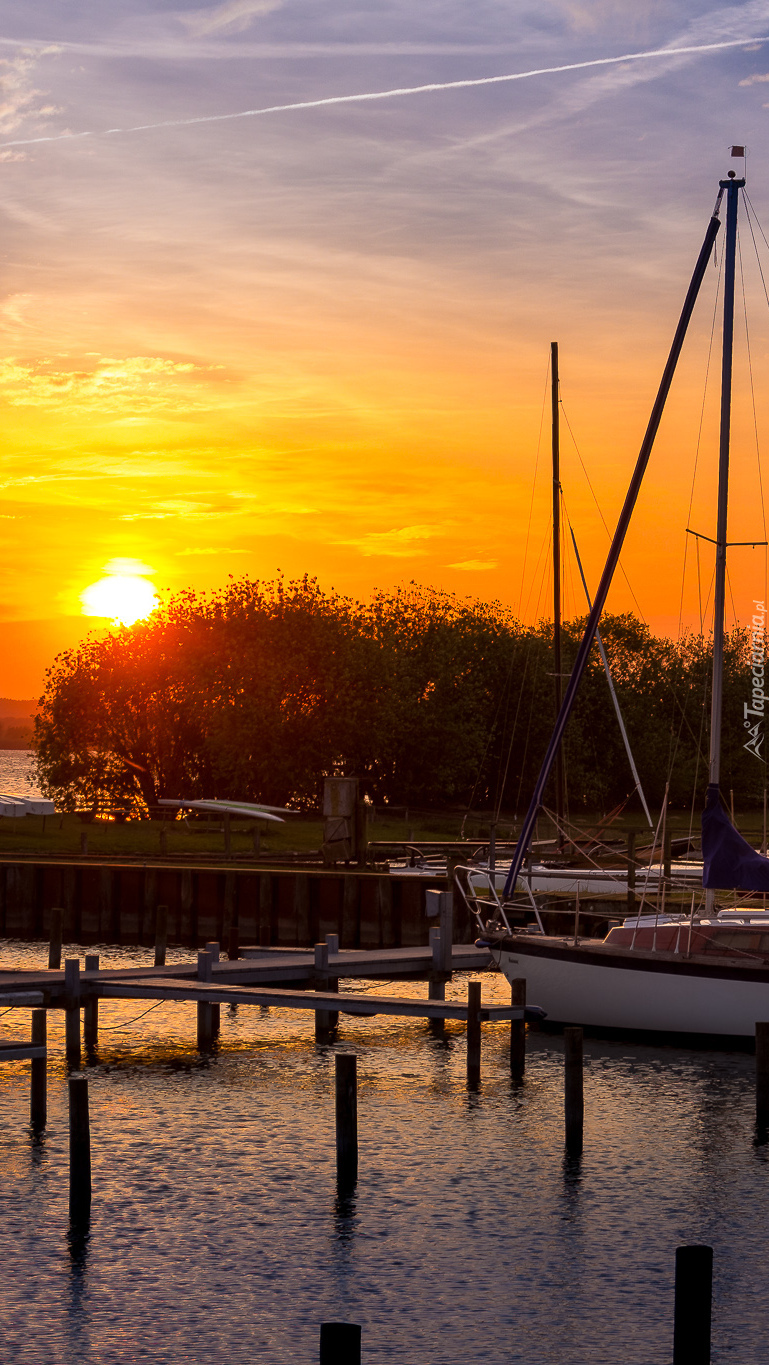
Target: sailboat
{"points": [[696, 976]]}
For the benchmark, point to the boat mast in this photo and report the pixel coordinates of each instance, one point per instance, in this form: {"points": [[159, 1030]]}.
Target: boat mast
{"points": [[732, 187], [554, 392], [580, 663]]}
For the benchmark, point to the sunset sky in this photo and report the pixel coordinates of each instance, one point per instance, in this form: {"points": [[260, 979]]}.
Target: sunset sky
{"points": [[316, 340]]}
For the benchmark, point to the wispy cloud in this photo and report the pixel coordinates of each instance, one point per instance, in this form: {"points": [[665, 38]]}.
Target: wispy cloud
{"points": [[110, 385], [673, 53], [475, 565], [233, 17], [399, 543]]}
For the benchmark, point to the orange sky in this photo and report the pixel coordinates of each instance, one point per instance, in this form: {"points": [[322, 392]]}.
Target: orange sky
{"points": [[318, 342]]}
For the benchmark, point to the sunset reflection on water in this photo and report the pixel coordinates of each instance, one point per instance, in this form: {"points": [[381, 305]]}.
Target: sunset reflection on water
{"points": [[217, 1232]]}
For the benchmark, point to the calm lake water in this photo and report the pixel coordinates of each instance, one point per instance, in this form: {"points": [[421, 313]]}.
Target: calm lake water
{"points": [[17, 774], [217, 1236]]}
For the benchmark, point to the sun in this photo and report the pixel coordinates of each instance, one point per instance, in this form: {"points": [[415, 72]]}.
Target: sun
{"points": [[124, 595]]}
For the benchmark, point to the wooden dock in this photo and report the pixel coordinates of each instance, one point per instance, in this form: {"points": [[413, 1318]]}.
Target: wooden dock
{"points": [[261, 978]]}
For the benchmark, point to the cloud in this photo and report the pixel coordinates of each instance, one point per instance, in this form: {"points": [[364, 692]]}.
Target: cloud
{"points": [[399, 543], [210, 550], [18, 95], [148, 381], [178, 507], [755, 80], [474, 565], [232, 17]]}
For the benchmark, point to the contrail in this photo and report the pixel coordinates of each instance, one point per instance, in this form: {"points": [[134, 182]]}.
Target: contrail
{"points": [[394, 94]]}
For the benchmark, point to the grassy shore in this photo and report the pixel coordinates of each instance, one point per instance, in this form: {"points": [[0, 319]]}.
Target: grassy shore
{"points": [[61, 835]]}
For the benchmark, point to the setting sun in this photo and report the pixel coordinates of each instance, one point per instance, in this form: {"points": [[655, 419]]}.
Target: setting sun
{"points": [[124, 595]]}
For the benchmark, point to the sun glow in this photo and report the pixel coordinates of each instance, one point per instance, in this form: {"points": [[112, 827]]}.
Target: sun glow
{"points": [[124, 595]]}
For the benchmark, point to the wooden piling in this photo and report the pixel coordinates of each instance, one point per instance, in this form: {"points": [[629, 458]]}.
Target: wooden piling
{"points": [[320, 981], [233, 941], [79, 1150], [762, 1074], [340, 1343], [693, 1302], [227, 836], [574, 1104], [84, 845], [54, 945], [346, 1077], [518, 1029], [205, 1014], [161, 935], [332, 943], [72, 1010], [473, 1035], [91, 1009], [38, 1095], [216, 1010], [436, 980]]}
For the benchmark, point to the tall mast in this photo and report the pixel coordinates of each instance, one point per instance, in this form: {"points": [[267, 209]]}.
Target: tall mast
{"points": [[618, 541], [732, 187], [556, 430]]}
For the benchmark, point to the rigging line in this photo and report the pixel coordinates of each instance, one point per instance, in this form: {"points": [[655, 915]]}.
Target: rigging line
{"points": [[752, 388], [761, 230], [697, 450], [612, 689], [534, 483], [699, 585], [731, 599], [527, 661], [544, 550], [598, 506]]}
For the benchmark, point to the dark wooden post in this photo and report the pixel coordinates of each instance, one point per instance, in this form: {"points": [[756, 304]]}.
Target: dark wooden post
{"points": [[360, 833], [256, 840], [518, 1029], [91, 1008], [227, 836], [694, 1291], [72, 1010], [631, 866], [436, 988], [332, 943], [320, 982], [762, 1074], [233, 940], [38, 1097], [54, 946], [473, 1035], [79, 1150], [339, 1343], [84, 845], [216, 1010], [161, 935], [574, 1104], [346, 1075], [205, 1018]]}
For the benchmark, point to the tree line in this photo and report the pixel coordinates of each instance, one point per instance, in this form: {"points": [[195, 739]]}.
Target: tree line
{"points": [[258, 691]]}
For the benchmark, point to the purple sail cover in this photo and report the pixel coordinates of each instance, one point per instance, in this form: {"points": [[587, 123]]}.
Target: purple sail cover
{"points": [[730, 864]]}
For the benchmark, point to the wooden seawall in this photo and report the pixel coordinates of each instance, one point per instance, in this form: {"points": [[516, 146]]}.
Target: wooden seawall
{"points": [[113, 902]]}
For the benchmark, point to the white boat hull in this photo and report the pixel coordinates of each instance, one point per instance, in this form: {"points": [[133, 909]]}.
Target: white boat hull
{"points": [[653, 993]]}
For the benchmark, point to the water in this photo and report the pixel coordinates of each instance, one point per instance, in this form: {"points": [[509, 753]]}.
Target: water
{"points": [[217, 1235], [17, 772]]}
